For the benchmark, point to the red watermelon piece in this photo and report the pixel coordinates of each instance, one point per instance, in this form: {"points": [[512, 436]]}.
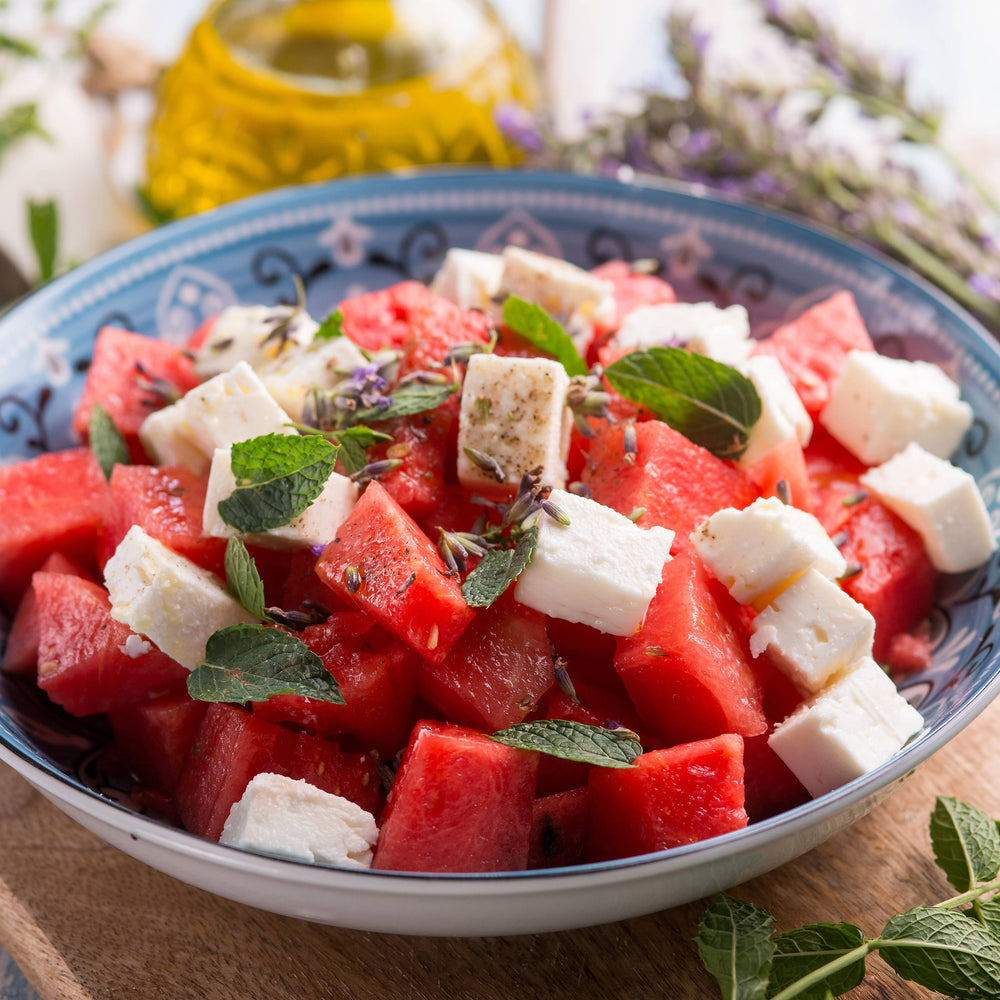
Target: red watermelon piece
{"points": [[559, 829]]}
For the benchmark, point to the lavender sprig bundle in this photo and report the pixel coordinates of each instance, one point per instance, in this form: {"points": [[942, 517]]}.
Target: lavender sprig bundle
{"points": [[762, 141]]}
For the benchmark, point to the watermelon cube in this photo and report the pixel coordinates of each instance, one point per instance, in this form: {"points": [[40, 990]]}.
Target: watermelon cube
{"points": [[559, 829]]}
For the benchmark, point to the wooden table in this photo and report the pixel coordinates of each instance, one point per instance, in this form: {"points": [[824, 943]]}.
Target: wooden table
{"points": [[85, 922]]}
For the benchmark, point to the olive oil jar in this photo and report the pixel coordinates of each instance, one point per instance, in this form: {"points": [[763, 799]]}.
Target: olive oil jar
{"points": [[274, 92]]}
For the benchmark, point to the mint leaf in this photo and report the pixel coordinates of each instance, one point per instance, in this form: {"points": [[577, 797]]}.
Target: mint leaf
{"points": [[106, 441], [242, 578], [17, 46], [407, 399], [966, 843], [943, 950], [534, 324], [710, 403], [253, 662], [17, 123], [734, 945], [277, 477], [804, 950], [988, 914], [498, 569], [331, 327], [43, 226], [354, 444], [573, 741]]}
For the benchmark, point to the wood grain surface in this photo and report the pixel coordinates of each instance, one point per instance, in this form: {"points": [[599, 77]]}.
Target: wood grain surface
{"points": [[85, 922]]}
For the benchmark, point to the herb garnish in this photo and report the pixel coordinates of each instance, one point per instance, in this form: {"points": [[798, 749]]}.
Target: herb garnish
{"points": [[277, 477], [574, 741], [710, 403], [106, 441], [331, 327], [254, 662], [949, 947], [498, 570], [43, 227], [534, 324]]}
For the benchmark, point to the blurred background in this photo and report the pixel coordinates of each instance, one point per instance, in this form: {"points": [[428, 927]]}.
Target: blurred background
{"points": [[875, 117]]}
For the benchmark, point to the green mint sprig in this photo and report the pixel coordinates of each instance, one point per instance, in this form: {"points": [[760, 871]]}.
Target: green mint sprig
{"points": [[574, 741], [331, 327], [534, 324], [106, 441], [711, 404], [952, 947], [277, 477], [246, 663], [498, 569]]}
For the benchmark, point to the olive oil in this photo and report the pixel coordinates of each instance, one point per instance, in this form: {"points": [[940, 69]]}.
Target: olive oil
{"points": [[268, 93]]}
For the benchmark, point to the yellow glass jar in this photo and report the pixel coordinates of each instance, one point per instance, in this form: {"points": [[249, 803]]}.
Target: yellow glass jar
{"points": [[275, 92]]}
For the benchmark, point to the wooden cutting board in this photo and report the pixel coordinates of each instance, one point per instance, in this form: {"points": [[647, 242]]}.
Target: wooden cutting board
{"points": [[85, 922]]}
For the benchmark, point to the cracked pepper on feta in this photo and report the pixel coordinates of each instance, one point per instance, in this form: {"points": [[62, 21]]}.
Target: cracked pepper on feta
{"points": [[406, 620]]}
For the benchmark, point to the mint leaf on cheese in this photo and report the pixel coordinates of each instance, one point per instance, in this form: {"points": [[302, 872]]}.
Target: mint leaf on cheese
{"points": [[106, 441], [711, 404], [534, 324], [498, 569], [246, 663], [331, 327], [574, 741], [277, 477]]}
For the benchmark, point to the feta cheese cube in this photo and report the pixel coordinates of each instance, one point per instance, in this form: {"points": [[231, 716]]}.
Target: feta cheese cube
{"points": [[165, 436], [878, 405], [169, 599], [255, 334], [230, 407], [289, 818], [722, 334], [316, 525], [600, 569], [514, 410], [782, 413], [295, 373], [569, 294], [941, 502], [469, 278], [847, 730], [758, 551], [813, 630]]}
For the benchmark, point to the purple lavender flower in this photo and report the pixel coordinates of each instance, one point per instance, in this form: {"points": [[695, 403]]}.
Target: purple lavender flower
{"points": [[520, 126], [368, 386], [986, 285]]}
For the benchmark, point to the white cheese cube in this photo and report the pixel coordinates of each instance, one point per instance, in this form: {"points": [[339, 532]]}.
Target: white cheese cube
{"points": [[289, 818], [231, 407], [600, 569], [469, 278], [721, 334], [782, 414], [316, 525], [255, 334], [165, 434], [168, 598], [295, 373], [758, 551], [878, 405], [847, 730], [813, 630], [514, 410], [569, 294], [941, 502]]}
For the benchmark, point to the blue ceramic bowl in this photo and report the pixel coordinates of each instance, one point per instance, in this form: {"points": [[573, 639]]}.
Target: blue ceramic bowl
{"points": [[362, 234]]}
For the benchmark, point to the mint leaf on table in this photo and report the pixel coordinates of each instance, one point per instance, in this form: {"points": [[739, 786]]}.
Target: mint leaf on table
{"points": [[534, 324], [254, 662], [734, 944], [943, 950], [966, 843], [277, 477], [988, 914], [573, 741], [711, 404], [406, 400], [801, 952], [498, 569], [243, 580], [106, 441], [331, 327]]}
